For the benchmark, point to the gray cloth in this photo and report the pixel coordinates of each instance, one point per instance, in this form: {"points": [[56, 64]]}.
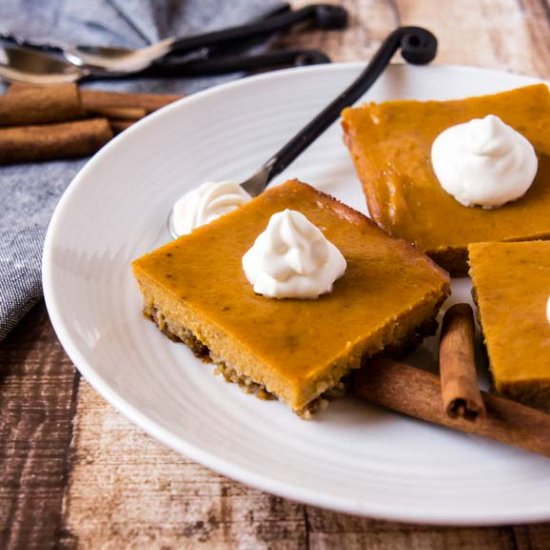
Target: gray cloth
{"points": [[29, 193]]}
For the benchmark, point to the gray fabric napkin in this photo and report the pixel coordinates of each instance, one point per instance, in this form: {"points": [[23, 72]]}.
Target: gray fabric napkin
{"points": [[29, 193]]}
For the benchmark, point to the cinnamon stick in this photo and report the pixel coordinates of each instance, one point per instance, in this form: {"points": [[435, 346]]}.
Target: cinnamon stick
{"points": [[18, 86], [417, 393], [457, 368], [53, 141], [97, 99], [93, 99], [120, 125], [117, 113], [40, 104]]}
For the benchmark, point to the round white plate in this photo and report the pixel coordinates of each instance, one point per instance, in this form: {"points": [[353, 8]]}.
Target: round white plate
{"points": [[353, 457]]}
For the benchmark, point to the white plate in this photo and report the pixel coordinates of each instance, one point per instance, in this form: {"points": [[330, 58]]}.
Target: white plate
{"points": [[353, 457]]}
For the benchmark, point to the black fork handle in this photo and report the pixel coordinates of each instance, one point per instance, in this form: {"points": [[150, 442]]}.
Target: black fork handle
{"points": [[222, 65], [236, 63], [320, 16], [418, 46]]}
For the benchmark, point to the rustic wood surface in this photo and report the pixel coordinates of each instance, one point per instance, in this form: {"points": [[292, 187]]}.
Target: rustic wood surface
{"points": [[75, 473]]}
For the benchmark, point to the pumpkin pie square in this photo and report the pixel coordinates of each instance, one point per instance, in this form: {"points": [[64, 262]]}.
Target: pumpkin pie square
{"points": [[195, 290], [511, 287], [390, 144]]}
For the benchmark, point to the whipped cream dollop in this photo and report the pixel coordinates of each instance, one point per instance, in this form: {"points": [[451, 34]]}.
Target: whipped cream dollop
{"points": [[206, 203], [484, 162], [292, 259]]}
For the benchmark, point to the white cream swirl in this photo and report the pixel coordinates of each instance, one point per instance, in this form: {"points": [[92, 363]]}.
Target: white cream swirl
{"points": [[292, 259], [484, 162], [206, 203]]}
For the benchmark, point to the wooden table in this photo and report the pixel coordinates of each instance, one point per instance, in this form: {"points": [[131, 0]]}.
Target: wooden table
{"points": [[75, 473]]}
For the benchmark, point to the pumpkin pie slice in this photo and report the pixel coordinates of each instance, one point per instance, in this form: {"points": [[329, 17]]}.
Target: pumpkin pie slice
{"points": [[297, 350], [391, 143], [512, 285]]}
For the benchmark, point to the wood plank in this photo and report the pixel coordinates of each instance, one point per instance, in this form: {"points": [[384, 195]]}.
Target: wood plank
{"points": [[127, 489], [37, 398], [509, 35], [329, 530], [370, 22], [532, 537], [537, 17], [484, 33]]}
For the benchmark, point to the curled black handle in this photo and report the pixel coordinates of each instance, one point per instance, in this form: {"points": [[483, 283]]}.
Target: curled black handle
{"points": [[321, 16], [418, 46]]}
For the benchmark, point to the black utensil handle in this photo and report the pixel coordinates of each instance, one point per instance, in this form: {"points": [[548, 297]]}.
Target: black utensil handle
{"points": [[283, 8], [223, 65], [238, 47], [234, 63], [323, 16], [418, 46]]}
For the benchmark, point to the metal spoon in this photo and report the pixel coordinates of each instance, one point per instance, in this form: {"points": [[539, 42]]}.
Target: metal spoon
{"points": [[30, 66], [20, 59], [120, 60], [418, 46]]}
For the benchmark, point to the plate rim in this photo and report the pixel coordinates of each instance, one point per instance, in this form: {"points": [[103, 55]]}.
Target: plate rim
{"points": [[194, 452]]}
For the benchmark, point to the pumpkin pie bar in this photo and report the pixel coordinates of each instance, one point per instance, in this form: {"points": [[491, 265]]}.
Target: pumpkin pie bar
{"points": [[511, 286], [296, 350], [391, 144]]}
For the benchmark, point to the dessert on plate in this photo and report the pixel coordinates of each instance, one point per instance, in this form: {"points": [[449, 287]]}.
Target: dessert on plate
{"points": [[392, 145], [382, 293], [511, 286]]}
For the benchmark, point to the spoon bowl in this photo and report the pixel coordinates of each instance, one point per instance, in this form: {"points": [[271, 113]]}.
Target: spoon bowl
{"points": [[18, 64]]}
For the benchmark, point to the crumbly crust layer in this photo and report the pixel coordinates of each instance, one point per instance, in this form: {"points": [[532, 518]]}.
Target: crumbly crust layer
{"points": [[178, 333]]}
